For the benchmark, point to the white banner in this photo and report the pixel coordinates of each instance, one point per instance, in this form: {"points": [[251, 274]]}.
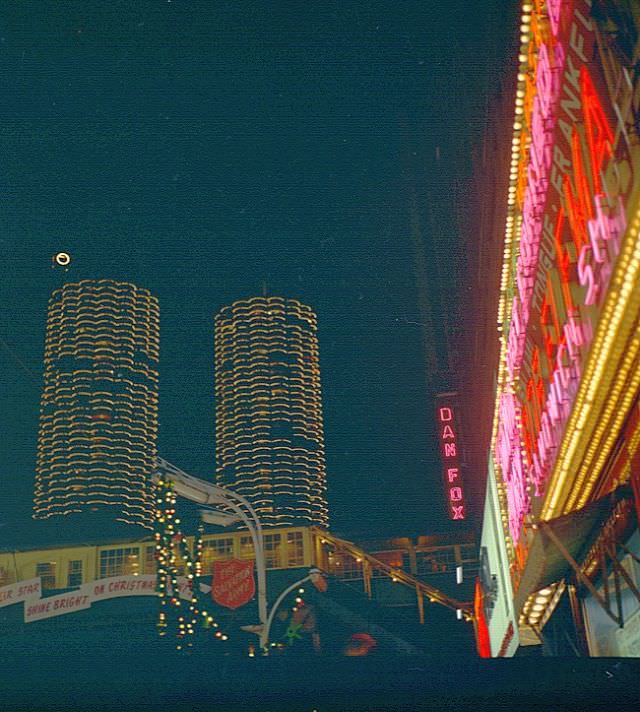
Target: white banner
{"points": [[184, 590], [36, 608], [21, 591], [55, 606], [118, 586]]}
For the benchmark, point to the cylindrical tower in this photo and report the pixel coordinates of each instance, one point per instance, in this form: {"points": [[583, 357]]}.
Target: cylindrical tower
{"points": [[99, 408], [269, 433]]}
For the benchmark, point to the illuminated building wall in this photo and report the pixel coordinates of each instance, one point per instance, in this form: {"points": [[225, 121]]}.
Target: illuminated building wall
{"points": [[99, 407], [496, 588], [566, 413], [269, 433]]}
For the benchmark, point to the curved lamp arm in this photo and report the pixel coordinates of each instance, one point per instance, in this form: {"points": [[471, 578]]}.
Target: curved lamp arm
{"points": [[198, 490]]}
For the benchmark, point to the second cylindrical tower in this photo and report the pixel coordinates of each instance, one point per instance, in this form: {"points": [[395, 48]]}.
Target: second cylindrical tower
{"points": [[269, 432]]}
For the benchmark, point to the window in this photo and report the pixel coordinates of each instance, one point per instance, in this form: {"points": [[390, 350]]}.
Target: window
{"points": [[215, 550], [246, 548], [119, 562], [47, 573], [349, 568], [178, 560], [390, 558], [469, 557], [150, 560], [435, 561], [272, 550], [295, 549], [74, 574]]}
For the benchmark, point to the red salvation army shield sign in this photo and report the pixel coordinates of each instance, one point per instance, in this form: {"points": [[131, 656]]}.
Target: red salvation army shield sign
{"points": [[233, 584]]}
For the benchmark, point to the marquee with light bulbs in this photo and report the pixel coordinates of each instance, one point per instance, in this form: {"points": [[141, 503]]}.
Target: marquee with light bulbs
{"points": [[569, 307]]}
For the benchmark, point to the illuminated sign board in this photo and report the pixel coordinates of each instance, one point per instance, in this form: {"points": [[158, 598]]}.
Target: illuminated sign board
{"points": [[449, 452], [571, 184]]}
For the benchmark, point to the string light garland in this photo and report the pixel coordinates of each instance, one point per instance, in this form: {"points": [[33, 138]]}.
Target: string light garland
{"points": [[172, 552]]}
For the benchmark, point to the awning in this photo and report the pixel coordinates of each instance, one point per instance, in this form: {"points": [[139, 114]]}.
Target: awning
{"points": [[577, 532]]}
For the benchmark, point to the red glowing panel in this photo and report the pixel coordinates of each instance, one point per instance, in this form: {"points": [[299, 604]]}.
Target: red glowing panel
{"points": [[599, 134], [483, 641], [563, 260], [579, 205], [449, 452]]}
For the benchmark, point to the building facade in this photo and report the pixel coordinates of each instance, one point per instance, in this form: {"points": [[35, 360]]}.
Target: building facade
{"points": [[495, 605], [65, 567], [99, 407], [566, 428], [402, 574], [269, 430]]}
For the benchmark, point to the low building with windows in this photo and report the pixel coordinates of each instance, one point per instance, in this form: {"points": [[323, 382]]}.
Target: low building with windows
{"points": [[64, 567], [110, 588], [432, 558]]}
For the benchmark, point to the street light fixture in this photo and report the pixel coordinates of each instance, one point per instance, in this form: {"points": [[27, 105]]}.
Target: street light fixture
{"points": [[221, 519], [207, 493], [203, 492], [316, 577]]}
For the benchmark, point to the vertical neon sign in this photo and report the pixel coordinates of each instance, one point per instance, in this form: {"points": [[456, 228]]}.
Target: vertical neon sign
{"points": [[449, 452]]}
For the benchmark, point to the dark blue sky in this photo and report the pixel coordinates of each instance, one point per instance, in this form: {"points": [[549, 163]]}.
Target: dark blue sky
{"points": [[201, 148]]}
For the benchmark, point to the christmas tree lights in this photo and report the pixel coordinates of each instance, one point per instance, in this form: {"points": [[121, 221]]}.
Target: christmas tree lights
{"points": [[172, 552]]}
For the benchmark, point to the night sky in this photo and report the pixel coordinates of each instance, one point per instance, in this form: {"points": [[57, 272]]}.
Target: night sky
{"points": [[210, 150]]}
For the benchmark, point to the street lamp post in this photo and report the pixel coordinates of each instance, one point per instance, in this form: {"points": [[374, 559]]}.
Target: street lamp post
{"points": [[207, 493], [312, 576], [255, 530]]}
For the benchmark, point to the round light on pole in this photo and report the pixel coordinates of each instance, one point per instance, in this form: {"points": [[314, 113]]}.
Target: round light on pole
{"points": [[62, 259], [318, 579]]}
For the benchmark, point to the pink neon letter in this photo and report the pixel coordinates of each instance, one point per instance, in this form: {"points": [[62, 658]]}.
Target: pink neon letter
{"points": [[554, 8], [455, 494], [586, 275]]}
